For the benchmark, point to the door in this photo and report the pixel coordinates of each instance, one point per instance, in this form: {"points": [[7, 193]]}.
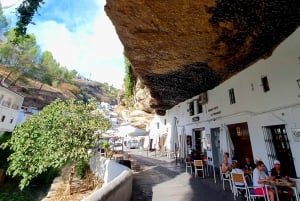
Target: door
{"points": [[239, 134], [278, 147]]}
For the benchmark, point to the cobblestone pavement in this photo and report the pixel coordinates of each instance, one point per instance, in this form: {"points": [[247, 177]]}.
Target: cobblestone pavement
{"points": [[161, 178]]}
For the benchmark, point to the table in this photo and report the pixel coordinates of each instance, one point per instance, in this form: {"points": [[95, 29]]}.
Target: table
{"points": [[284, 183]]}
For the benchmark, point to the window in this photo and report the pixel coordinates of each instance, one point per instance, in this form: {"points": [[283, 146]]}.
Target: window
{"points": [[200, 109], [11, 120], [231, 96], [3, 118], [165, 122], [191, 108], [265, 83]]}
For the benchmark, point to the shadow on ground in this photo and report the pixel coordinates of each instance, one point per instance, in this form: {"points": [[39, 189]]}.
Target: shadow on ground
{"points": [[163, 180]]}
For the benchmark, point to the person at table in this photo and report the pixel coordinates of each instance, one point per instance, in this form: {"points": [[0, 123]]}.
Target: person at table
{"points": [[227, 156], [257, 159], [277, 173], [249, 165], [225, 168], [259, 179], [235, 169]]}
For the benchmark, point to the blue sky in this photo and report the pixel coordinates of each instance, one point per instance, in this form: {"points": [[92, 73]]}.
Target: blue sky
{"points": [[80, 36]]}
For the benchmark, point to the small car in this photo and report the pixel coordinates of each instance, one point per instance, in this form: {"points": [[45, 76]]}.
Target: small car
{"points": [[132, 144]]}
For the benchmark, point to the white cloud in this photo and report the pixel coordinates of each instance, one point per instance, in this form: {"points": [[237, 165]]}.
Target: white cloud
{"points": [[93, 49], [9, 3]]}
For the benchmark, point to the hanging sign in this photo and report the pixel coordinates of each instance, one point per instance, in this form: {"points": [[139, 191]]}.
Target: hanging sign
{"points": [[296, 134]]}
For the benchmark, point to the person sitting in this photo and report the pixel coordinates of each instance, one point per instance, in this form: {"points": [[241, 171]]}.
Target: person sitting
{"points": [[236, 169], [259, 179], [227, 156], [225, 168], [257, 159], [249, 166], [277, 173]]}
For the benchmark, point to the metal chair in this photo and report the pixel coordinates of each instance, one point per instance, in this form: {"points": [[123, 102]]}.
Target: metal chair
{"points": [[253, 196], [239, 184], [225, 177], [297, 181], [198, 165], [188, 164]]}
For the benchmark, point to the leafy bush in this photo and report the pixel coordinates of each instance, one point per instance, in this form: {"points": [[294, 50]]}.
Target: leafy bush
{"points": [[82, 167], [4, 153], [15, 196], [46, 177]]}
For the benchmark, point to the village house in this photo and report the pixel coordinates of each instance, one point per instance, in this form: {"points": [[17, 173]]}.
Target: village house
{"points": [[255, 113], [10, 106]]}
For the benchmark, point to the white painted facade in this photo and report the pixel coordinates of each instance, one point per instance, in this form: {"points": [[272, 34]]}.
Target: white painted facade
{"points": [[10, 106], [278, 106]]}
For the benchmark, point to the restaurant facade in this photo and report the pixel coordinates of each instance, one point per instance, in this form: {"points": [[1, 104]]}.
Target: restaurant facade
{"points": [[255, 113]]}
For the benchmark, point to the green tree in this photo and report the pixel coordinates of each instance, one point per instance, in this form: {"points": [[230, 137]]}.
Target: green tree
{"points": [[63, 131], [21, 57], [130, 80], [48, 68], [25, 13]]}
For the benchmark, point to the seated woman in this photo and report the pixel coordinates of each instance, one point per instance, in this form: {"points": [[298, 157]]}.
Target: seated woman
{"points": [[226, 167], [259, 179], [236, 169]]}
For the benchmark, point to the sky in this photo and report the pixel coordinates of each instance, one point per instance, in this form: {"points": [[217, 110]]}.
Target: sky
{"points": [[80, 36]]}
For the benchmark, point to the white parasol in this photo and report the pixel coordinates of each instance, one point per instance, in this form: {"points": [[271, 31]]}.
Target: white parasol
{"points": [[226, 144]]}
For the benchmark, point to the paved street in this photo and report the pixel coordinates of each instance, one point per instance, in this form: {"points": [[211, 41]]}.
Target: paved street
{"points": [[161, 179]]}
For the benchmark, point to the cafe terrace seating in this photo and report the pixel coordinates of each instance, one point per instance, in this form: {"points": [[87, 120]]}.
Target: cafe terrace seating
{"points": [[241, 186], [188, 164], [225, 177], [199, 166], [253, 196], [297, 181]]}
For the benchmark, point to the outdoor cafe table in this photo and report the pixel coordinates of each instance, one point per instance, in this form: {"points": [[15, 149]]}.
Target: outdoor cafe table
{"points": [[284, 183]]}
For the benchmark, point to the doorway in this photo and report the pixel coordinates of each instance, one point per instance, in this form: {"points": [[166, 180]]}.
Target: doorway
{"points": [[240, 137], [278, 147]]}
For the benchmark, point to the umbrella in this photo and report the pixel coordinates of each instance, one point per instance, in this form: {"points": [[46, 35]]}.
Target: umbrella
{"points": [[226, 144], [174, 136], [182, 145], [132, 131]]}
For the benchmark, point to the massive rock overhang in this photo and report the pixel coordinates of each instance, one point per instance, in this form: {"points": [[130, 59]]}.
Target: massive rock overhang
{"points": [[182, 48]]}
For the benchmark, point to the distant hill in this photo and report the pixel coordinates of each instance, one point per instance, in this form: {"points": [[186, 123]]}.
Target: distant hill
{"points": [[37, 94]]}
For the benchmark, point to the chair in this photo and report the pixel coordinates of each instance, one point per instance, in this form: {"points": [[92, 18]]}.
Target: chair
{"points": [[297, 180], [198, 165], [238, 184], [225, 177], [188, 164], [253, 196]]}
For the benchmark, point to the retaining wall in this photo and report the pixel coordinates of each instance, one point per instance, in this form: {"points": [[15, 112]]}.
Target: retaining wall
{"points": [[117, 180]]}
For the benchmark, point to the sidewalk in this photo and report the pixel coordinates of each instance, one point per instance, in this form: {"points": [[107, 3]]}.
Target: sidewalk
{"points": [[160, 178]]}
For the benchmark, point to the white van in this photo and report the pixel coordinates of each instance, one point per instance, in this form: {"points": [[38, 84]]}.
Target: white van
{"points": [[132, 144]]}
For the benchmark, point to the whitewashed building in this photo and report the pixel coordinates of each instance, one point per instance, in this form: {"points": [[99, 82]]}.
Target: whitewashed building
{"points": [[260, 108], [10, 106]]}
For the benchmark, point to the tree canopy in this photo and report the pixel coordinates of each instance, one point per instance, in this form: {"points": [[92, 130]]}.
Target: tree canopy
{"points": [[63, 131]]}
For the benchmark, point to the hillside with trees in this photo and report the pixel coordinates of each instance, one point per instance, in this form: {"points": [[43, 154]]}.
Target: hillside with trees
{"points": [[41, 79]]}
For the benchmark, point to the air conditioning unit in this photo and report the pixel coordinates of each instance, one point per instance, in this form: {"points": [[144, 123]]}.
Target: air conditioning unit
{"points": [[202, 98]]}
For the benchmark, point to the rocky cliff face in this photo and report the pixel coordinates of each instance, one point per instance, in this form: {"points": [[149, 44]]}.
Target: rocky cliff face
{"points": [[181, 48]]}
